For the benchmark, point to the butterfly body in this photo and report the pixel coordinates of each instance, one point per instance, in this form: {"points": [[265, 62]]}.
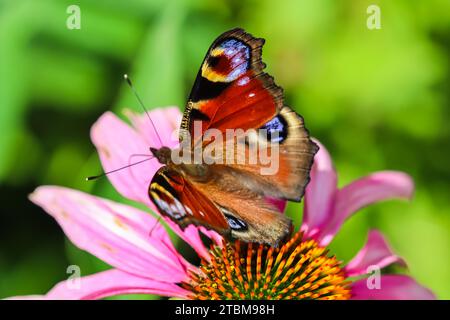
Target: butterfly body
{"points": [[231, 92]]}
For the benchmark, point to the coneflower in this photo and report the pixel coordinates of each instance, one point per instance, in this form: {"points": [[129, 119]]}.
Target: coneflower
{"points": [[300, 268]]}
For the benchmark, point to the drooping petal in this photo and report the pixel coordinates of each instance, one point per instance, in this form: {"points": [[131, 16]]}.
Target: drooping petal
{"points": [[214, 236], [113, 232], [119, 145], [375, 252], [320, 193], [167, 123], [376, 187], [111, 283], [191, 235], [116, 142], [393, 287]]}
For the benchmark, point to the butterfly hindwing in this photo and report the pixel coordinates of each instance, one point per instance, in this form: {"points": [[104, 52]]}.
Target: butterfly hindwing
{"points": [[183, 203], [250, 216]]}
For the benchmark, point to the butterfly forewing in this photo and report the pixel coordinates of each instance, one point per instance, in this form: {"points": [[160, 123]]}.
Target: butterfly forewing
{"points": [[180, 201], [231, 90]]}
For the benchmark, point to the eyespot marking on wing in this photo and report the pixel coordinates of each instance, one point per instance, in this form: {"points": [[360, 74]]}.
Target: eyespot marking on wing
{"points": [[227, 62], [235, 223], [277, 129]]}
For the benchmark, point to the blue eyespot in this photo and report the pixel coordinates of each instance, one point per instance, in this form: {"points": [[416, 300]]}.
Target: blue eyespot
{"points": [[276, 129], [239, 55], [233, 46], [235, 223]]}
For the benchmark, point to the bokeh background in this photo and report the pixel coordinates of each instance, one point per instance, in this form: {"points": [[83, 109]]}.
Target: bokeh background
{"points": [[378, 99]]}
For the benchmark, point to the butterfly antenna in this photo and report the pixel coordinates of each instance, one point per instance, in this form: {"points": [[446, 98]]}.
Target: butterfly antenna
{"points": [[130, 84], [115, 170]]}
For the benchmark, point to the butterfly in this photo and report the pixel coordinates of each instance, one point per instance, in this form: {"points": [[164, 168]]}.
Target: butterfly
{"points": [[231, 91]]}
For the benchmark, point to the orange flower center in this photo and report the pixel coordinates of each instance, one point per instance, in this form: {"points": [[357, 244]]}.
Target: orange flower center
{"points": [[296, 270]]}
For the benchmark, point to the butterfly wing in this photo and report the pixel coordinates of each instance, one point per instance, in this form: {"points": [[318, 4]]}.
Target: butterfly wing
{"points": [[250, 216], [245, 215], [177, 199], [231, 90], [284, 173]]}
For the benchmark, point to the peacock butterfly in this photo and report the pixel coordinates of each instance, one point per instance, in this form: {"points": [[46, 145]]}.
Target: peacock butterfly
{"points": [[231, 91]]}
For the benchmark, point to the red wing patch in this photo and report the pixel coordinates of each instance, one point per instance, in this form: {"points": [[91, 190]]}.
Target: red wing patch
{"points": [[231, 90], [179, 200]]}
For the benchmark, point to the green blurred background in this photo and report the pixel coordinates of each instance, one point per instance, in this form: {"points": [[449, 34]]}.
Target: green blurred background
{"points": [[378, 99]]}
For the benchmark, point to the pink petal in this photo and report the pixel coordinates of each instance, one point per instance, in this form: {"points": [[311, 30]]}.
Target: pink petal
{"points": [[110, 283], [119, 144], [320, 193], [375, 252], [116, 143], [214, 236], [167, 122], [192, 237], [393, 287], [373, 188], [113, 232]]}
